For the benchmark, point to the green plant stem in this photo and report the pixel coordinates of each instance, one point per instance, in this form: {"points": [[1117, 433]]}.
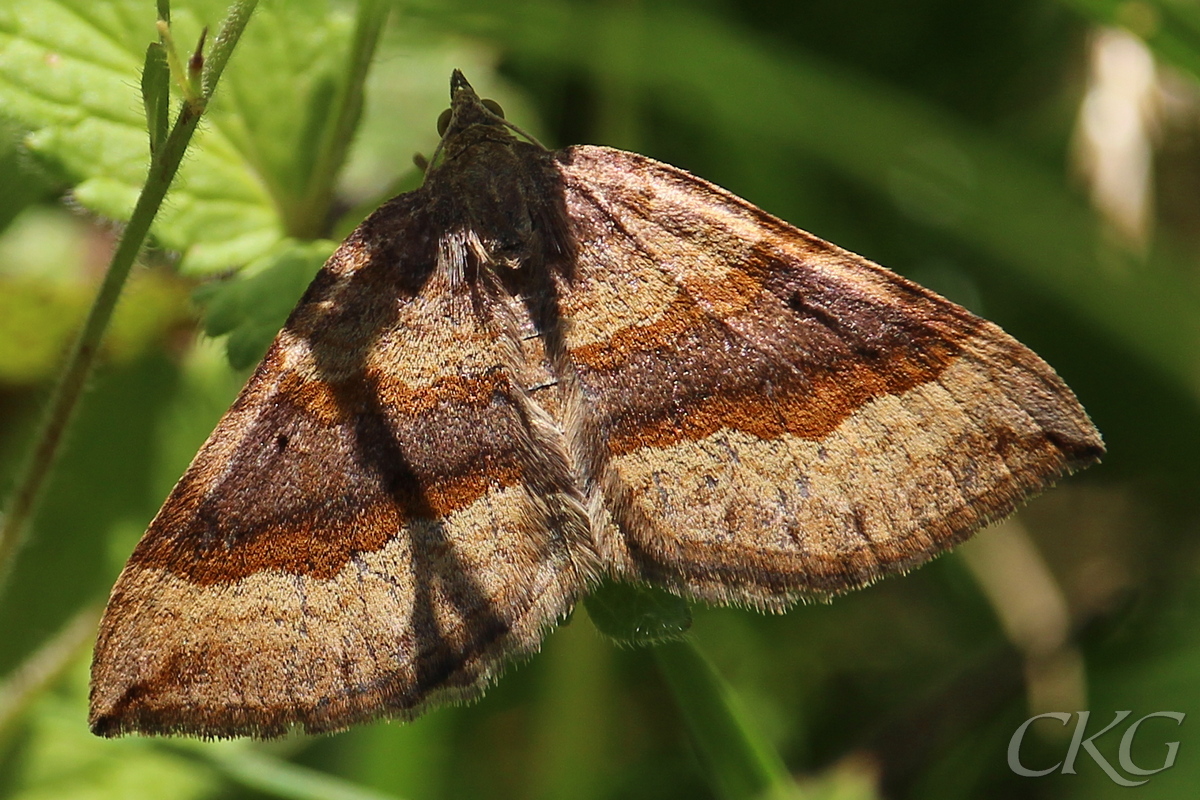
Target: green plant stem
{"points": [[308, 217], [82, 359], [223, 44], [740, 763], [269, 775]]}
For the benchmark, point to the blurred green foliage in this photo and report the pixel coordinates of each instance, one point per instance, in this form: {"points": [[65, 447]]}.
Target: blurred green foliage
{"points": [[933, 136]]}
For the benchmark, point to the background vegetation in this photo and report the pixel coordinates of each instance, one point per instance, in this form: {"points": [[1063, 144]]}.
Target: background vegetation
{"points": [[1032, 159]]}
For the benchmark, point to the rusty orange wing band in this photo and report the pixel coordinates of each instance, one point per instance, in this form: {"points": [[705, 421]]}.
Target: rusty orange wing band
{"points": [[776, 416], [370, 526]]}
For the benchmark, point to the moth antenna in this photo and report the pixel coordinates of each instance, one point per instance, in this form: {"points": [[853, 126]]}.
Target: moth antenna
{"points": [[516, 129], [520, 132], [437, 151]]}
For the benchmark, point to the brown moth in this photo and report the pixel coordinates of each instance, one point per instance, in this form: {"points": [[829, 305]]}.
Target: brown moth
{"points": [[540, 369]]}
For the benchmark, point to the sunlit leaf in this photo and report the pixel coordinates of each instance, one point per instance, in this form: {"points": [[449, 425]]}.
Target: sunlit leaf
{"points": [[253, 308], [67, 70]]}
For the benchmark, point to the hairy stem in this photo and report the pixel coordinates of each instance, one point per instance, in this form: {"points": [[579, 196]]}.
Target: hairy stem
{"points": [[65, 397]]}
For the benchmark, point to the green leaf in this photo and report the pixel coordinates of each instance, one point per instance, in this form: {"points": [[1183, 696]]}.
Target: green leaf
{"points": [[23, 183], [252, 308], [638, 615], [740, 763], [260, 167], [66, 69], [275, 113]]}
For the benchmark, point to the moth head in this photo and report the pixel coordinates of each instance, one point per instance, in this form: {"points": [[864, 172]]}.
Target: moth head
{"points": [[466, 109], [468, 113], [470, 119]]}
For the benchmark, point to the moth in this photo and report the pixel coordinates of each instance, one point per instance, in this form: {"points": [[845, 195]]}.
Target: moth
{"points": [[542, 369]]}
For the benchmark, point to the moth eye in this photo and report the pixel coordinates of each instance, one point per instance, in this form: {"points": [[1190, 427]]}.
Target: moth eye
{"points": [[443, 122], [494, 107]]}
